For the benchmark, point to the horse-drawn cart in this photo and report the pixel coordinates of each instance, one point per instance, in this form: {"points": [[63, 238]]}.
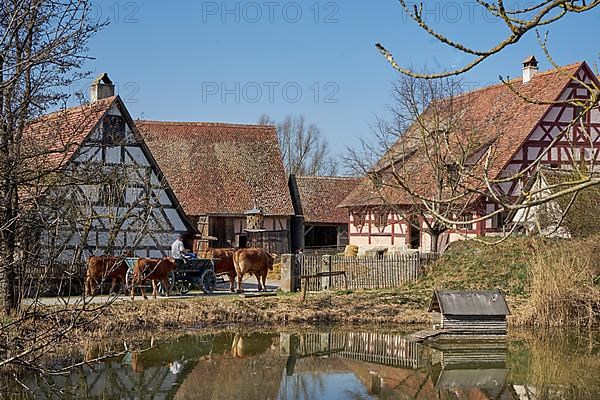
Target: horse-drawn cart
{"points": [[199, 272]]}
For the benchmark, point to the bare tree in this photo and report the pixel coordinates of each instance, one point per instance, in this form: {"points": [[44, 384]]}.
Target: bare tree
{"points": [[303, 148], [517, 18], [422, 155], [42, 45], [482, 180], [42, 48]]}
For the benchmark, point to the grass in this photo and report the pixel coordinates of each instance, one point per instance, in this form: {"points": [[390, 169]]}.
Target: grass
{"points": [[547, 281], [469, 265], [564, 286]]}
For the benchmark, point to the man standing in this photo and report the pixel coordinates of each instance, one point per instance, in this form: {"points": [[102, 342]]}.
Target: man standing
{"points": [[177, 250]]}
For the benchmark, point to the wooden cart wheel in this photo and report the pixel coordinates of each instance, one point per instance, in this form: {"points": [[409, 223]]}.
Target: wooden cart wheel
{"points": [[128, 279], [208, 281], [183, 287]]}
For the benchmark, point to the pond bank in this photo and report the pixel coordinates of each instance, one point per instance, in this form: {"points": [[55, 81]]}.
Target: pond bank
{"points": [[388, 307], [369, 307]]}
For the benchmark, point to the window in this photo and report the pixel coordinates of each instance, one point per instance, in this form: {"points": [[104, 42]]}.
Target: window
{"points": [[113, 129], [577, 112], [499, 220], [465, 218]]}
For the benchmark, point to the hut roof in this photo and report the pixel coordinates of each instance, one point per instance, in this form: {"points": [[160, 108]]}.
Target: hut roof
{"points": [[460, 302], [319, 196]]}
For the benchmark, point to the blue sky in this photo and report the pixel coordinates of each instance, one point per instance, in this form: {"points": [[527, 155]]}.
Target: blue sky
{"points": [[233, 61]]}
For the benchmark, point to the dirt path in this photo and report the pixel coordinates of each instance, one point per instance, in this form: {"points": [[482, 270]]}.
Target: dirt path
{"points": [[222, 290]]}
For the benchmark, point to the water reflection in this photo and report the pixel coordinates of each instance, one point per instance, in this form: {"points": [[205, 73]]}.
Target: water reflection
{"points": [[335, 364]]}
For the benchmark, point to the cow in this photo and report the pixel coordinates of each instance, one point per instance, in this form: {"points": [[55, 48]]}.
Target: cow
{"points": [[102, 267], [255, 262], [224, 265], [153, 269]]}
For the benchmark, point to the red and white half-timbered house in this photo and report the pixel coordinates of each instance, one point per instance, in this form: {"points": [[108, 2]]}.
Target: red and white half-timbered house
{"points": [[515, 131]]}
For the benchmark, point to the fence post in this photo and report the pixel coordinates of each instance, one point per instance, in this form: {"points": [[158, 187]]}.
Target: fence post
{"points": [[288, 273], [326, 267]]}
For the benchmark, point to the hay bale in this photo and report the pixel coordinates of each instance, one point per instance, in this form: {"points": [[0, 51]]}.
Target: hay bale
{"points": [[351, 250]]}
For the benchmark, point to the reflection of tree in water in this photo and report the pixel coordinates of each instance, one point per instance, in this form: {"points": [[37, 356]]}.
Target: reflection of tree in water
{"points": [[560, 364], [139, 375]]}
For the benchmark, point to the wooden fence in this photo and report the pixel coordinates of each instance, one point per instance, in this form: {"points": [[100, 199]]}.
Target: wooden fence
{"points": [[43, 280], [366, 272]]}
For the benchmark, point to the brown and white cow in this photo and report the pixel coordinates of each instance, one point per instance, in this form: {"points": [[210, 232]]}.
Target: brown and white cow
{"points": [[255, 262], [225, 263], [153, 269], [104, 267]]}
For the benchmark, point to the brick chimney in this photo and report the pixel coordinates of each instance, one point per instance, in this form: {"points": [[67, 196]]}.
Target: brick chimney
{"points": [[530, 68], [101, 88]]}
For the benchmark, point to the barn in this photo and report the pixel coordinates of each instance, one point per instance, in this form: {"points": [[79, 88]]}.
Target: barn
{"points": [[319, 224], [481, 311], [112, 196], [229, 179], [513, 131]]}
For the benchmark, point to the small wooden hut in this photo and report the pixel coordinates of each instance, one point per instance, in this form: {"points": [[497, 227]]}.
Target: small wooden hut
{"points": [[479, 312]]}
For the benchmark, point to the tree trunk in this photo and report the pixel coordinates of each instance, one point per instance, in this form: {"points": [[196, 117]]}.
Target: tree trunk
{"points": [[8, 275], [435, 236]]}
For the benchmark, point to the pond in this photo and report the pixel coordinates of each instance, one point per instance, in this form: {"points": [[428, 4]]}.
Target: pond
{"points": [[336, 363]]}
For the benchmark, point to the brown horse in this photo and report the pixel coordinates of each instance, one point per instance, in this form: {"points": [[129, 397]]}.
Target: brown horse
{"points": [[153, 269]]}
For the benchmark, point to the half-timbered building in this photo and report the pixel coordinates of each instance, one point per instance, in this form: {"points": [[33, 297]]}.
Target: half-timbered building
{"points": [[229, 179], [108, 195], [517, 132]]}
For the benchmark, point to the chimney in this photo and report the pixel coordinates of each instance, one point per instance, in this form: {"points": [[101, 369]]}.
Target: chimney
{"points": [[530, 68], [101, 88]]}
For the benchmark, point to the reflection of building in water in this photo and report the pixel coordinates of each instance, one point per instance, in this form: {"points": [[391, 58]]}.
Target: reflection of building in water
{"points": [[471, 370], [376, 362], [389, 366], [154, 374], [334, 365]]}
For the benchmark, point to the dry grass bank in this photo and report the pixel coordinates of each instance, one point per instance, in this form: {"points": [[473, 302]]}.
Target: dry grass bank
{"points": [[362, 307], [549, 282], [564, 285]]}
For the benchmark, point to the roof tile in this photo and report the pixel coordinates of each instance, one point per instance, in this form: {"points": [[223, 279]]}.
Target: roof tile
{"points": [[320, 196], [220, 169]]}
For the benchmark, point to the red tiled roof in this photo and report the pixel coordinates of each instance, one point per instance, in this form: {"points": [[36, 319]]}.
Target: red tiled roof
{"points": [[320, 196], [53, 138], [220, 169], [495, 114]]}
